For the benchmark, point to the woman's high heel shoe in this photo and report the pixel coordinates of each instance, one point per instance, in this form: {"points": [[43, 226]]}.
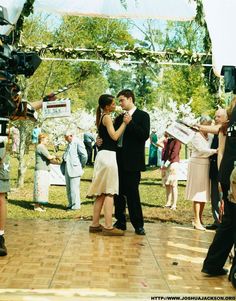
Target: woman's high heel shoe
{"points": [[198, 227]]}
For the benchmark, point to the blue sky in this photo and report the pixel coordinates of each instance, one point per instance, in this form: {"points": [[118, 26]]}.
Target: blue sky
{"points": [[54, 21]]}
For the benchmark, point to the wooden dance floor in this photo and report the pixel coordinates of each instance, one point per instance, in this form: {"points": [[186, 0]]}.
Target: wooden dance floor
{"points": [[54, 260]]}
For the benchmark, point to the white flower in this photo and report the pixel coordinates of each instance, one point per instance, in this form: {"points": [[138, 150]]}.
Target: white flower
{"points": [[56, 127], [119, 110], [161, 118]]}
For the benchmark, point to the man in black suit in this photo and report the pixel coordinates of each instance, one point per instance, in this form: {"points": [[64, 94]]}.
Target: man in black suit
{"points": [[131, 161], [220, 118], [224, 239]]}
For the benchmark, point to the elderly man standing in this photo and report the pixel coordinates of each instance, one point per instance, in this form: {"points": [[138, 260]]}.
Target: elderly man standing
{"points": [[74, 158], [220, 118]]}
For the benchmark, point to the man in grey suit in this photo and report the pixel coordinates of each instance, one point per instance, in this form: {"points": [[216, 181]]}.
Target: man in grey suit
{"points": [[75, 158]]}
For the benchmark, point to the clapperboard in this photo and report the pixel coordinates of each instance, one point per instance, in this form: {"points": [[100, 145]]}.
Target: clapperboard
{"points": [[3, 126], [57, 108], [182, 132]]}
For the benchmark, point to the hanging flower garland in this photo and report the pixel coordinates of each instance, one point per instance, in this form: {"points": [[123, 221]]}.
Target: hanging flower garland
{"points": [[200, 19], [108, 54], [26, 11]]}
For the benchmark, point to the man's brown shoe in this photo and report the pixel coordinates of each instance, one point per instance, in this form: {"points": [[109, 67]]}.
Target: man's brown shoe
{"points": [[3, 249], [112, 232]]}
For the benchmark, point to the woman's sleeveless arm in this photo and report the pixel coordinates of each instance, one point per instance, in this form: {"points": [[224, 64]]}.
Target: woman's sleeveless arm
{"points": [[115, 135]]}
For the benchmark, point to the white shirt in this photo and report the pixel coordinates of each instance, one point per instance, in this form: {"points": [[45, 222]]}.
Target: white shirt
{"points": [[201, 147], [120, 140], [131, 112]]}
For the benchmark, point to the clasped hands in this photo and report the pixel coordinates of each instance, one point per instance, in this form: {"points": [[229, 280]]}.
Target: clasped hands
{"points": [[127, 118]]}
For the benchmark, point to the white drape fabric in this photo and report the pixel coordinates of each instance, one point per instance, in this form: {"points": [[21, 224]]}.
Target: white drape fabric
{"points": [[14, 8], [182, 10], [219, 15], [220, 18]]}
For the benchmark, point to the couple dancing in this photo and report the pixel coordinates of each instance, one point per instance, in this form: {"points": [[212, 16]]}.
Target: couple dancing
{"points": [[118, 164]]}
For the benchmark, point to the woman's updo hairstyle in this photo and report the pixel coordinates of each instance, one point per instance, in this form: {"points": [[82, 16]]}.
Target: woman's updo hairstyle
{"points": [[103, 101]]}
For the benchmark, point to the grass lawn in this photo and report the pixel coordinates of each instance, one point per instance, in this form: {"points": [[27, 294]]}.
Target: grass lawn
{"points": [[20, 200]]}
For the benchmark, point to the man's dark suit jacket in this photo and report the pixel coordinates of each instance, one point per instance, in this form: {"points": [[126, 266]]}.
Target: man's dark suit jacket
{"points": [[131, 156]]}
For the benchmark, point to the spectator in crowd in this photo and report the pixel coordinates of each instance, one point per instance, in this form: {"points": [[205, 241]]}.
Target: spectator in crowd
{"points": [[198, 181], [74, 159], [162, 144], [42, 173], [35, 133], [105, 178], [15, 134], [170, 171], [224, 238], [88, 142], [153, 148], [220, 119]]}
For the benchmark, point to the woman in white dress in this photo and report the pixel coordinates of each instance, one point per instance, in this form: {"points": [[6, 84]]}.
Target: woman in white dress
{"points": [[198, 182], [105, 180]]}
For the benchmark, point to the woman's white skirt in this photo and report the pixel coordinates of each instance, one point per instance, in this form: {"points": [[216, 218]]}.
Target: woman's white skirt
{"points": [[41, 186], [170, 174], [105, 175]]}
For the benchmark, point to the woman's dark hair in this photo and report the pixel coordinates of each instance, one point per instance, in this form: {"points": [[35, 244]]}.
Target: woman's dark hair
{"points": [[127, 93], [103, 101]]}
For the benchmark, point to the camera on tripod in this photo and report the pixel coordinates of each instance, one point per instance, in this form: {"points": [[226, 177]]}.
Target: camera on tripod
{"points": [[14, 62]]}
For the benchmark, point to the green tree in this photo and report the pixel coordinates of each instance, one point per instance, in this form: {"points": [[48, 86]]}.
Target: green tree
{"points": [[183, 84], [180, 83], [88, 32], [118, 80], [90, 89]]}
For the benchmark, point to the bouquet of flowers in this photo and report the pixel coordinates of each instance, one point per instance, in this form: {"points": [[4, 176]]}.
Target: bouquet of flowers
{"points": [[118, 111]]}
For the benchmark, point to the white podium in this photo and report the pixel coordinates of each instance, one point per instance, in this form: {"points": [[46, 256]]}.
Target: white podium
{"points": [[56, 177]]}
